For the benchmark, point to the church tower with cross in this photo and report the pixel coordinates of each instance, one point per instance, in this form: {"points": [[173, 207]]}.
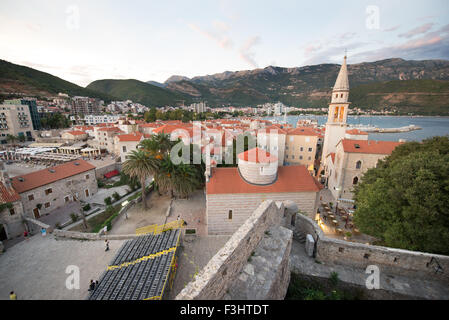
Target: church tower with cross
{"points": [[338, 113]]}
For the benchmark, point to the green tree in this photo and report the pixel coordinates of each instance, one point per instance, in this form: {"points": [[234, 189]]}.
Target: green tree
{"points": [[404, 201], [140, 165]]}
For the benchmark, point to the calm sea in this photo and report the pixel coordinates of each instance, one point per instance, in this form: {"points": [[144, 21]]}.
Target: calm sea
{"points": [[431, 126]]}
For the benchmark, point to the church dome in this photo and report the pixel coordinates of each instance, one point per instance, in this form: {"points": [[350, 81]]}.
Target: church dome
{"points": [[258, 166]]}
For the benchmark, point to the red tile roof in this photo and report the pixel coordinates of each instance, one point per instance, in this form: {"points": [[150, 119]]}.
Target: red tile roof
{"points": [[136, 136], [76, 133], [8, 194], [369, 146], [290, 179], [357, 132], [43, 177], [110, 129], [303, 131], [169, 128], [257, 155]]}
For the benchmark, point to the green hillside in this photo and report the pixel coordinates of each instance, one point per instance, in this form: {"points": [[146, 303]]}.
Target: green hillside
{"points": [[138, 91], [18, 80], [430, 97]]}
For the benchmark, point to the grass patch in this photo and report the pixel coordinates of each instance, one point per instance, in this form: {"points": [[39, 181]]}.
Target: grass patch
{"points": [[306, 288], [95, 224]]}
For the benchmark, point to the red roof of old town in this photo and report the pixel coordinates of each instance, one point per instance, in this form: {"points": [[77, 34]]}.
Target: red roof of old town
{"points": [[369, 146], [357, 132], [45, 176], [110, 129], [303, 131], [136, 136], [8, 194], [290, 179], [257, 155], [76, 133]]}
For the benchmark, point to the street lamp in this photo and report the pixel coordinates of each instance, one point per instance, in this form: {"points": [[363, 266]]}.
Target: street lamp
{"points": [[338, 197]]}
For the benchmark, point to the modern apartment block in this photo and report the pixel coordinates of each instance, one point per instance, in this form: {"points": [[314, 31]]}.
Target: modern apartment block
{"points": [[85, 105], [32, 107], [15, 119]]}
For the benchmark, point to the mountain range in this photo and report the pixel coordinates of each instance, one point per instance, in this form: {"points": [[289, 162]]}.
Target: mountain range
{"points": [[420, 87]]}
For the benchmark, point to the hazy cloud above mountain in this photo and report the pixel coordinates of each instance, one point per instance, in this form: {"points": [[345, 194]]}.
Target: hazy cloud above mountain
{"points": [[416, 31], [247, 53], [82, 41]]}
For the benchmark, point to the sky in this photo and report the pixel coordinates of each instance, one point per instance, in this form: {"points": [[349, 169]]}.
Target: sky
{"points": [[83, 41]]}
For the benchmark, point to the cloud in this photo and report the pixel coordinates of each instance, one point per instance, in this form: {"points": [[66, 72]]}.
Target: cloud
{"points": [[217, 36], [245, 51], [419, 30], [392, 28], [330, 54], [434, 45]]}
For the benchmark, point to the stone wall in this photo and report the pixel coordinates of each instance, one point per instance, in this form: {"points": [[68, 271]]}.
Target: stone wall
{"points": [[398, 261], [13, 224], [243, 205], [266, 275], [101, 171], [60, 190], [215, 278]]}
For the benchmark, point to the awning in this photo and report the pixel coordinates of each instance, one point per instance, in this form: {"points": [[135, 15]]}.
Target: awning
{"points": [[111, 174]]}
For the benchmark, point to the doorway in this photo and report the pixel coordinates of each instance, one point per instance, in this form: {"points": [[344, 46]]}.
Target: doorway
{"points": [[3, 235], [36, 213]]}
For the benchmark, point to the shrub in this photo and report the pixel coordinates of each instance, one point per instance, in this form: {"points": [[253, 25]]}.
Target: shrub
{"points": [[108, 201], [334, 278], [116, 196], [100, 184], [74, 217], [86, 207]]}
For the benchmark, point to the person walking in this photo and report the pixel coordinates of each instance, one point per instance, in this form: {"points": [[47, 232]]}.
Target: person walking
{"points": [[91, 286], [12, 296], [106, 243]]}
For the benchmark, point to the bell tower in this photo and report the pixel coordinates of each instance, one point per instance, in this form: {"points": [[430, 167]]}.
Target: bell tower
{"points": [[338, 112]]}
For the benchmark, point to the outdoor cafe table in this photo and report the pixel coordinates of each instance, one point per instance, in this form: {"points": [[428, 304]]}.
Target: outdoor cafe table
{"points": [[335, 222]]}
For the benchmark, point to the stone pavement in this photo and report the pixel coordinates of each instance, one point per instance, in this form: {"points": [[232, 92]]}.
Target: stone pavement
{"points": [[138, 217], [392, 286], [35, 268], [103, 193], [61, 214], [192, 211]]}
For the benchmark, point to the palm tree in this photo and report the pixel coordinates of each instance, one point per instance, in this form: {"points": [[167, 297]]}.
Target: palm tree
{"points": [[141, 166], [11, 139], [180, 180]]}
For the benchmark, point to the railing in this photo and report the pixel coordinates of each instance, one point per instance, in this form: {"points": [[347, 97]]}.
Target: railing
{"points": [[156, 229]]}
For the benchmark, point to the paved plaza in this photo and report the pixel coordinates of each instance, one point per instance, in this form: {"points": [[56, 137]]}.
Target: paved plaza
{"points": [[36, 268]]}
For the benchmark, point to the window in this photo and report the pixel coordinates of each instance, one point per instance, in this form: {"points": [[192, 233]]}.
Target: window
{"points": [[301, 149], [47, 205], [87, 177], [48, 191], [30, 197], [310, 158], [66, 199], [310, 149], [12, 211], [230, 215], [355, 180], [293, 157], [358, 165], [300, 157], [124, 148], [341, 95], [286, 156]]}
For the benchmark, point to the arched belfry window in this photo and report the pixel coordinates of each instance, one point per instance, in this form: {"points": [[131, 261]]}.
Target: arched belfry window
{"points": [[355, 180], [358, 164]]}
